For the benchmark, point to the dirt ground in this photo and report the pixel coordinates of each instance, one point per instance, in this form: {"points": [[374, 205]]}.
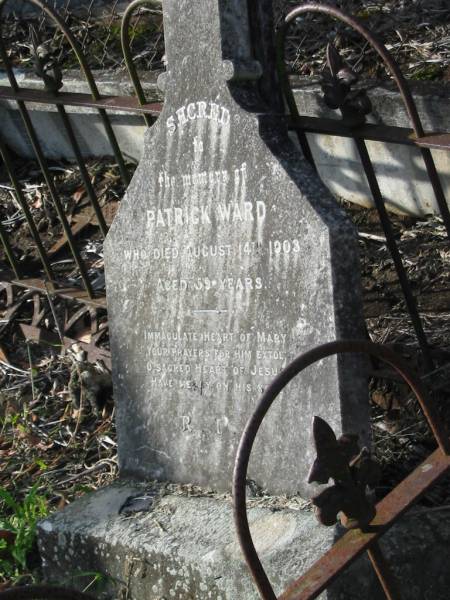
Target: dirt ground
{"points": [[47, 437], [58, 434], [417, 33]]}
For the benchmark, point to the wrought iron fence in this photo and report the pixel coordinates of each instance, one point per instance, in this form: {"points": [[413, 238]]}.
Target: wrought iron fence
{"points": [[47, 64], [366, 523], [354, 109], [339, 94]]}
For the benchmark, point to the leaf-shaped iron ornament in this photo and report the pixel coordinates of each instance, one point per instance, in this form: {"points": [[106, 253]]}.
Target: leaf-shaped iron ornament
{"points": [[45, 62], [337, 90], [353, 471]]}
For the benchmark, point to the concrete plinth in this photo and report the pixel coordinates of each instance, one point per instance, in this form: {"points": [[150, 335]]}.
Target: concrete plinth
{"points": [[185, 547]]}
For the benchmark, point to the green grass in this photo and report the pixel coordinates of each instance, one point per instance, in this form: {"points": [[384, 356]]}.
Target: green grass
{"points": [[429, 72], [18, 521]]}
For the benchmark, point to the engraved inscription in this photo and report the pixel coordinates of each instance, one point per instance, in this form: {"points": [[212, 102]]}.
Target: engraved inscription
{"points": [[202, 199], [214, 360], [193, 111], [227, 259]]}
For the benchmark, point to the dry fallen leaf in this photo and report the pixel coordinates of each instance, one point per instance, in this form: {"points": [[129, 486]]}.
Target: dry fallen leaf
{"points": [[79, 194], [38, 202], [385, 400]]}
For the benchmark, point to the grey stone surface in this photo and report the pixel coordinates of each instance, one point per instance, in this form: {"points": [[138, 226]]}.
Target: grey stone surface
{"points": [[227, 259], [400, 170], [186, 548]]}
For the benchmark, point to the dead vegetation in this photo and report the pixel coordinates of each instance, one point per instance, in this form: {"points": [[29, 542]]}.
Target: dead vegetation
{"points": [[401, 436], [95, 26], [81, 217], [416, 32], [57, 412]]}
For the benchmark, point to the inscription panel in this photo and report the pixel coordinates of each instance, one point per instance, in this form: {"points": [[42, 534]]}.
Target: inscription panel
{"points": [[211, 275], [214, 280]]}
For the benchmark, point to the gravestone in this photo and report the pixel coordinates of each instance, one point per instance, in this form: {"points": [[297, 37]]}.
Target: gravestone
{"points": [[227, 259]]}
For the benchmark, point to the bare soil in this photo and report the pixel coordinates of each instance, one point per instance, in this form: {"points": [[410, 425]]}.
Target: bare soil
{"points": [[416, 32], [46, 436], [53, 435]]}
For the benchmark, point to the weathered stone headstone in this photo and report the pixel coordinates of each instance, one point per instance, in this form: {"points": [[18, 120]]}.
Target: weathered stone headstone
{"points": [[227, 259]]}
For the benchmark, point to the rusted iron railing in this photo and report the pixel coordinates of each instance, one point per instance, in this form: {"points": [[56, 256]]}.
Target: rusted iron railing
{"points": [[354, 126], [49, 284], [52, 87], [126, 49], [364, 536], [51, 95]]}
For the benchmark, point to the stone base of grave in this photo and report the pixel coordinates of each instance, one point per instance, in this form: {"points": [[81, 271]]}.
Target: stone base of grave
{"points": [[185, 547]]}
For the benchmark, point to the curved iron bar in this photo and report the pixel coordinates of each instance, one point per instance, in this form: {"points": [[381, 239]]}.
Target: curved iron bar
{"points": [[60, 23], [393, 68], [126, 50], [43, 592], [39, 152], [277, 385]]}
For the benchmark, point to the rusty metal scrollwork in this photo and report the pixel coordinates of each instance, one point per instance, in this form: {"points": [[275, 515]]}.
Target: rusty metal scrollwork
{"points": [[348, 465], [353, 471], [337, 86]]}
